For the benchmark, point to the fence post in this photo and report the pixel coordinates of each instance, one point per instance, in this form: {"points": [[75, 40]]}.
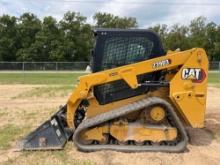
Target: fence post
{"points": [[219, 65], [23, 66], [56, 66]]}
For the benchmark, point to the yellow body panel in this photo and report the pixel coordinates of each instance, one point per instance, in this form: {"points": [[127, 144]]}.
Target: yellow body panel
{"points": [[188, 96], [123, 132], [97, 133]]}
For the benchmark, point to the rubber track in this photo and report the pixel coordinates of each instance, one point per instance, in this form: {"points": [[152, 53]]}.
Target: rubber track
{"points": [[104, 117]]}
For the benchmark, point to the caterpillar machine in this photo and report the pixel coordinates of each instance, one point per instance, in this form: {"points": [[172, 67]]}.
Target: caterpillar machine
{"points": [[137, 98]]}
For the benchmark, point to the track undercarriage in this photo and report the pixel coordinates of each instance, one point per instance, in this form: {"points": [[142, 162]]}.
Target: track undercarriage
{"points": [[112, 130]]}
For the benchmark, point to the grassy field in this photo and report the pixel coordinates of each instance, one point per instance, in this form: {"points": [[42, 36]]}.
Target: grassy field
{"points": [[214, 78], [61, 78], [39, 78]]}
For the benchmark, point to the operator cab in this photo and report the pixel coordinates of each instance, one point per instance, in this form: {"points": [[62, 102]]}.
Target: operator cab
{"points": [[116, 48]]}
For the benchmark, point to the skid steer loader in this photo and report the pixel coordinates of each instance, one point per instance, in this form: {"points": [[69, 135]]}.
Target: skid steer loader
{"points": [[137, 98]]}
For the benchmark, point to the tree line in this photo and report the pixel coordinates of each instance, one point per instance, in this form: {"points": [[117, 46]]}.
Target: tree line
{"points": [[28, 38]]}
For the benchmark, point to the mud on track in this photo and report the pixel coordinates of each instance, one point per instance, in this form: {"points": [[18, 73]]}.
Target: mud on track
{"points": [[22, 110]]}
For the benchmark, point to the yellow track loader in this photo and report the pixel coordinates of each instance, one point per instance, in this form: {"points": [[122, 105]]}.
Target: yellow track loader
{"points": [[137, 98]]}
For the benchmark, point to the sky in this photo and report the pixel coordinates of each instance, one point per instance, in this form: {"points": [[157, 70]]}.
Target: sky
{"points": [[147, 12]]}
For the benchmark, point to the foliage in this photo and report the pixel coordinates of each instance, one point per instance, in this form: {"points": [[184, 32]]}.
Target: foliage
{"points": [[28, 38], [8, 38], [199, 33], [105, 20]]}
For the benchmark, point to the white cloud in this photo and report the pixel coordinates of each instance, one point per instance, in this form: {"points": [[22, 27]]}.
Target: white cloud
{"points": [[183, 14], [146, 14], [11, 8], [119, 8]]}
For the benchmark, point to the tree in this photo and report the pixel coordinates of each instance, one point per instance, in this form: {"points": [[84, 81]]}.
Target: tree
{"points": [[45, 39], [162, 31], [173, 38], [205, 35], [216, 52], [29, 25], [197, 29], [76, 43], [105, 20], [211, 44], [8, 39], [178, 38], [198, 34]]}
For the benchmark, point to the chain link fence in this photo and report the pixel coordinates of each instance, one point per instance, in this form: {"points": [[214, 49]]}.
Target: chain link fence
{"points": [[214, 65], [43, 66], [63, 66]]}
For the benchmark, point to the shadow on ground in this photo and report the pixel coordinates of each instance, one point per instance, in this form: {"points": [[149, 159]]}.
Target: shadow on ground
{"points": [[205, 136]]}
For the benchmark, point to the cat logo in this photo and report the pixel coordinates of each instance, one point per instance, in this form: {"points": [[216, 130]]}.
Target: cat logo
{"points": [[194, 74]]}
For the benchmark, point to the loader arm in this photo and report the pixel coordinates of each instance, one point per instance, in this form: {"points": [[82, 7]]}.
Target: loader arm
{"points": [[183, 90]]}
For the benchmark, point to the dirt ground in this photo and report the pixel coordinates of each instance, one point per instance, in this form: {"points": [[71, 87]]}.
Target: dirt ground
{"points": [[22, 109]]}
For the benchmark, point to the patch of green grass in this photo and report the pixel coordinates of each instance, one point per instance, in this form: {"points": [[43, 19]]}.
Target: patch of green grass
{"points": [[30, 116], [83, 162], [39, 78], [8, 134], [61, 155], [47, 91], [214, 79]]}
